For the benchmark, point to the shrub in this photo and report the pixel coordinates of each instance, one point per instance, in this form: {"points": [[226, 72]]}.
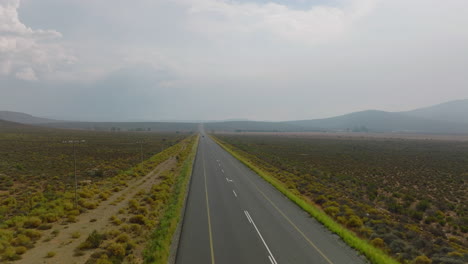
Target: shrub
{"points": [[115, 220], [45, 227], [332, 210], [321, 199], [94, 240], [104, 196], [422, 206], [422, 260], [20, 250], [138, 219], [21, 240], [104, 259], [75, 234], [33, 234], [378, 243], [32, 222], [112, 233], [122, 238], [354, 221], [10, 254], [116, 249], [88, 204], [71, 219], [50, 254]]}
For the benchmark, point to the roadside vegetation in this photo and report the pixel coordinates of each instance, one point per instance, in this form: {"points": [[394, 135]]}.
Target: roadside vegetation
{"points": [[143, 231], [37, 177], [401, 198]]}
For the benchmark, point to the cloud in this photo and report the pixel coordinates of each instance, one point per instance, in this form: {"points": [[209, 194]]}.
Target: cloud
{"points": [[259, 59], [27, 74], [316, 24], [26, 53]]}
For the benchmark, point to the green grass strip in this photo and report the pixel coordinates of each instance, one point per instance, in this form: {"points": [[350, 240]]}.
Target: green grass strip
{"points": [[373, 254], [158, 248]]}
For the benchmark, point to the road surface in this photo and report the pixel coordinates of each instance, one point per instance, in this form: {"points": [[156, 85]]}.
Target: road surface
{"points": [[234, 216]]}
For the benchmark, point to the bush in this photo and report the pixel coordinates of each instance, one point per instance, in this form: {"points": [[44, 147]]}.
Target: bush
{"points": [[50, 254], [32, 222], [20, 250], [378, 243], [122, 238], [10, 254], [354, 221], [115, 220], [75, 234], [422, 206], [332, 210], [45, 227], [116, 249], [104, 259], [94, 240], [422, 260], [138, 219], [32, 234], [321, 199], [88, 204], [21, 240]]}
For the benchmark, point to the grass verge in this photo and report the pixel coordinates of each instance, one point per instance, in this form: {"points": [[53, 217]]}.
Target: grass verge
{"points": [[373, 254], [158, 248]]}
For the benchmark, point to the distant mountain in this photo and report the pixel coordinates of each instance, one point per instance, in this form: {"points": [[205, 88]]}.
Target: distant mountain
{"points": [[252, 126], [24, 118], [380, 121], [453, 111], [127, 126], [446, 118]]}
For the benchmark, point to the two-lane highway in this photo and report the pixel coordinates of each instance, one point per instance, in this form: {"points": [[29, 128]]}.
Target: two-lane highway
{"points": [[234, 216]]}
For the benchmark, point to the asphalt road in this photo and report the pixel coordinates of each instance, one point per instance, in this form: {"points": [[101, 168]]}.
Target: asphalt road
{"points": [[234, 216]]}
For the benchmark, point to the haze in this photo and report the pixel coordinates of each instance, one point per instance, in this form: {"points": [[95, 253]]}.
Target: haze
{"points": [[119, 60]]}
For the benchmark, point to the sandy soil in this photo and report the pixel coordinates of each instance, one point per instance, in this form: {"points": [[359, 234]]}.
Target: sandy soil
{"points": [[98, 219]]}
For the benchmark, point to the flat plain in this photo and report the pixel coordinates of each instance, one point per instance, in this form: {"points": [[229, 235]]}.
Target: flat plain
{"points": [[38, 205]]}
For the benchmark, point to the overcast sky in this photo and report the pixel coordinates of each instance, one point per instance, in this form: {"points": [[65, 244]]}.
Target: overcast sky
{"points": [[220, 59]]}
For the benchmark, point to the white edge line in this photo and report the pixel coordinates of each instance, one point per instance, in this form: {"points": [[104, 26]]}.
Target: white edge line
{"points": [[269, 257], [235, 194], [261, 237], [245, 212]]}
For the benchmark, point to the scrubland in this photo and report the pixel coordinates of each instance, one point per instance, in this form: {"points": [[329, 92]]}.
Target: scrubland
{"points": [[37, 185]]}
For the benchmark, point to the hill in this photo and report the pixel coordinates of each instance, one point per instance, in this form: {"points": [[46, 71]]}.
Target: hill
{"points": [[453, 111], [446, 118], [23, 118], [127, 126], [252, 126], [381, 121], [16, 119]]}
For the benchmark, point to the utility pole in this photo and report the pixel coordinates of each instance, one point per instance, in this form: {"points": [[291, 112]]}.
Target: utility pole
{"points": [[74, 142], [141, 151]]}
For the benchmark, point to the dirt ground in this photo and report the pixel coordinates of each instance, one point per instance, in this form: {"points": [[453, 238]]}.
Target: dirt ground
{"points": [[64, 245]]}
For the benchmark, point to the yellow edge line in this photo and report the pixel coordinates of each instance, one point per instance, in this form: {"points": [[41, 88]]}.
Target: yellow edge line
{"points": [[208, 213], [289, 220]]}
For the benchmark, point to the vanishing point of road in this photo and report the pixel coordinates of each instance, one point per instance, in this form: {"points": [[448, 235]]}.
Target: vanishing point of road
{"points": [[234, 216]]}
